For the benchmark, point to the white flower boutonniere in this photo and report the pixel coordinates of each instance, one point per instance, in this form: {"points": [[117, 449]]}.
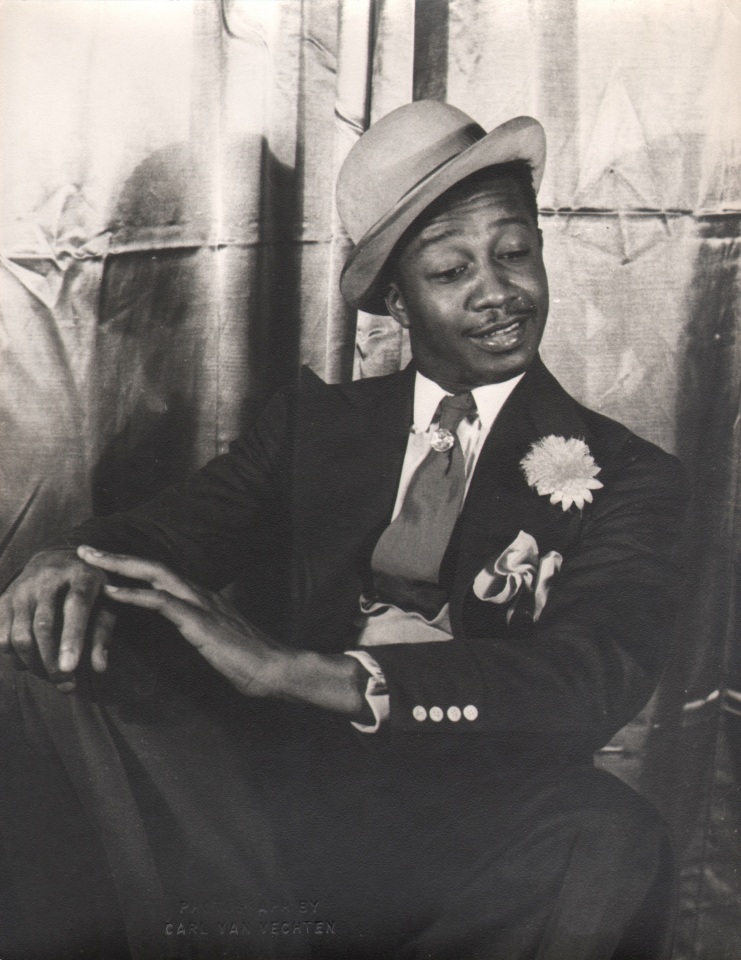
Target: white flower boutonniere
{"points": [[562, 469]]}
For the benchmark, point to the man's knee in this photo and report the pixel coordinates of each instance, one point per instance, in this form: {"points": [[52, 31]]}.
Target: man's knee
{"points": [[617, 835], [619, 859], [620, 817]]}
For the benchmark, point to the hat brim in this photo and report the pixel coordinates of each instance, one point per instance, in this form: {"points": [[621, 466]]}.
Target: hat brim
{"points": [[522, 138]]}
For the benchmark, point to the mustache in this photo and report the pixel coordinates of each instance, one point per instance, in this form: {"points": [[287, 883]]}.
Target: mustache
{"points": [[502, 317]]}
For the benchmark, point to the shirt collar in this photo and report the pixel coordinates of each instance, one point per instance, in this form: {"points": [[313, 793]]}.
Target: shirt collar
{"points": [[489, 400]]}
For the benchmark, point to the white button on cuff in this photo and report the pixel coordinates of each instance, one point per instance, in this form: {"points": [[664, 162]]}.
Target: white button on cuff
{"points": [[470, 712], [419, 713], [436, 714], [454, 714]]}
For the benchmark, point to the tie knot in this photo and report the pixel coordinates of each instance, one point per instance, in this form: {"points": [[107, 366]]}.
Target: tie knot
{"points": [[456, 408]]}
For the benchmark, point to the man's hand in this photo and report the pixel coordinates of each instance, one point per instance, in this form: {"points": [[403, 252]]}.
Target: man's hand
{"points": [[251, 660], [50, 610]]}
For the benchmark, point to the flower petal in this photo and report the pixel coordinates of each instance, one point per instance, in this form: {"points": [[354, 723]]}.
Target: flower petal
{"points": [[562, 469]]}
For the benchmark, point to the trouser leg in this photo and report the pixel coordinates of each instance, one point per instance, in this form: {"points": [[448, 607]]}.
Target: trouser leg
{"points": [[57, 896], [161, 782], [584, 858], [555, 864]]}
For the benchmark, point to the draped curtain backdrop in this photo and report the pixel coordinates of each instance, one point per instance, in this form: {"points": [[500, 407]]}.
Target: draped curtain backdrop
{"points": [[170, 253]]}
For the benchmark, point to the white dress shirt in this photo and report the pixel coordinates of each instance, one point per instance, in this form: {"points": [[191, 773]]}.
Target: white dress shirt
{"points": [[471, 434]]}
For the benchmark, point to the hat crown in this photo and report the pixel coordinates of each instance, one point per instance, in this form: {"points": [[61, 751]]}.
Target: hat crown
{"points": [[394, 155]]}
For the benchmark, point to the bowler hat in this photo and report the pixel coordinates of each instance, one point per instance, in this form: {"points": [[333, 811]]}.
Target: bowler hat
{"points": [[404, 162]]}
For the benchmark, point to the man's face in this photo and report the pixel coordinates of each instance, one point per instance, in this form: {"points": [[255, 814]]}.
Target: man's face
{"points": [[472, 289]]}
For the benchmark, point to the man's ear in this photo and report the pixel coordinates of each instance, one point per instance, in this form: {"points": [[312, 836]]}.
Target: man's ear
{"points": [[396, 305]]}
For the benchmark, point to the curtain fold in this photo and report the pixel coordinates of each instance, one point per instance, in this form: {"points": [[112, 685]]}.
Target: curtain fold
{"points": [[170, 253]]}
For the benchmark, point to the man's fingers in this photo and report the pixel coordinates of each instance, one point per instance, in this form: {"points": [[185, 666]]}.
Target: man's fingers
{"points": [[105, 621], [6, 623], [157, 574], [43, 631], [53, 595], [185, 616], [160, 601], [21, 636], [78, 605]]}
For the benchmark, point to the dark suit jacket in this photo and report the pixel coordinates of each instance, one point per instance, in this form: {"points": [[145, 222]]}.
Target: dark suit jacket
{"points": [[298, 503]]}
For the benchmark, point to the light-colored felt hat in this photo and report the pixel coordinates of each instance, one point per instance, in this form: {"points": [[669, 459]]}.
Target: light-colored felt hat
{"points": [[404, 162]]}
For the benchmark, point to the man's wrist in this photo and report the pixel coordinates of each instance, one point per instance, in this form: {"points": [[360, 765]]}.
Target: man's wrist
{"points": [[333, 682]]}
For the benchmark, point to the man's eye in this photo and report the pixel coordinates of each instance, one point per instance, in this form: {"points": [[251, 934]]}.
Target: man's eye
{"points": [[518, 254], [446, 276]]}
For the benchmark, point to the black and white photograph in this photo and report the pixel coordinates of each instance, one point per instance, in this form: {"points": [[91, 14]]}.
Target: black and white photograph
{"points": [[370, 480]]}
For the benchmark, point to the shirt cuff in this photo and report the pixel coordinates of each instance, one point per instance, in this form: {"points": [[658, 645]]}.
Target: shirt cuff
{"points": [[376, 691]]}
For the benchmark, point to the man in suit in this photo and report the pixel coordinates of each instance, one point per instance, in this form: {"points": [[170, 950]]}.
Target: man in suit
{"points": [[460, 586]]}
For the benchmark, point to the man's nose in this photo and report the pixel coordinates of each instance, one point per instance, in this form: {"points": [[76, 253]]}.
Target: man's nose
{"points": [[492, 288]]}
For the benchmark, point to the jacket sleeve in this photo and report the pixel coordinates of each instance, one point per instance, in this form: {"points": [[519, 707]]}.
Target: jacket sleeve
{"points": [[202, 527], [593, 658]]}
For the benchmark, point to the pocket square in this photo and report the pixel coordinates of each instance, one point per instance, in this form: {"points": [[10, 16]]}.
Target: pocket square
{"points": [[519, 577]]}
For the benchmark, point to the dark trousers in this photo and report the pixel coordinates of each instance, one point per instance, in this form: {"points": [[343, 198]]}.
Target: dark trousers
{"points": [[162, 821], [564, 864]]}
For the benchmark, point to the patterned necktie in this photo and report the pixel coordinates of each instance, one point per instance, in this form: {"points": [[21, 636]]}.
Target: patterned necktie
{"points": [[411, 548]]}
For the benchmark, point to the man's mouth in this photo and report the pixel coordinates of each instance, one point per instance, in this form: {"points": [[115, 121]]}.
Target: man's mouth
{"points": [[501, 335]]}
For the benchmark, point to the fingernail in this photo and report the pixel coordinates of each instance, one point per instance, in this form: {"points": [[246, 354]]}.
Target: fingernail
{"points": [[66, 661], [91, 550], [111, 588]]}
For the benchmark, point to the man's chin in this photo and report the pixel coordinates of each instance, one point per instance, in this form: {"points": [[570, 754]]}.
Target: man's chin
{"points": [[504, 365]]}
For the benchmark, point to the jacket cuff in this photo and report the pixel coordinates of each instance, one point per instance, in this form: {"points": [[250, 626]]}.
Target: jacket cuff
{"points": [[376, 691]]}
